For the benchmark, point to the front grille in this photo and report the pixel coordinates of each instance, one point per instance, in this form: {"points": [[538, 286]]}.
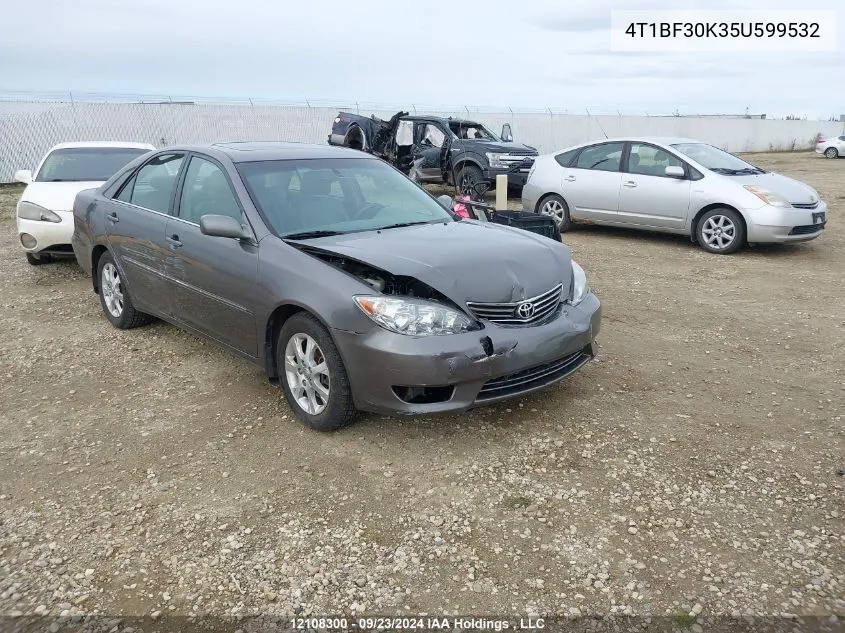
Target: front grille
{"points": [[517, 312], [532, 378], [805, 205], [807, 229]]}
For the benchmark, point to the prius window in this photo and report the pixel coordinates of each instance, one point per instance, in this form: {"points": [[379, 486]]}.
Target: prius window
{"points": [[604, 157], [649, 160]]}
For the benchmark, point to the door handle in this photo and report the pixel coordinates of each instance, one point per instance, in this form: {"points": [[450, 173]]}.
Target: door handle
{"points": [[112, 217], [174, 242], [630, 183], [570, 178]]}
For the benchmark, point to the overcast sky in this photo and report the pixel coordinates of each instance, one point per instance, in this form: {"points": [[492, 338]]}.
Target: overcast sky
{"points": [[528, 53]]}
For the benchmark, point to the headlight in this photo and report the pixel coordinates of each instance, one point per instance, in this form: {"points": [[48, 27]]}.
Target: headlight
{"points": [[769, 197], [29, 211], [495, 160], [580, 287], [414, 317]]}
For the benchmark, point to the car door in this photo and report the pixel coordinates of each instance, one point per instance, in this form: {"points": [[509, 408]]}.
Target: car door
{"points": [[591, 183], [214, 278], [136, 221], [648, 197], [426, 153]]}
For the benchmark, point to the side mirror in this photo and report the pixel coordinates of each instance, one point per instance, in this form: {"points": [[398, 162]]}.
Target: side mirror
{"points": [[222, 226], [673, 171], [445, 202], [24, 176], [507, 135]]}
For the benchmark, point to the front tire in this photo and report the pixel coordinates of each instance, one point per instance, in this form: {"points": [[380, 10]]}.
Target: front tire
{"points": [[38, 260], [312, 374], [115, 298], [720, 231], [831, 152], [556, 208], [468, 177]]}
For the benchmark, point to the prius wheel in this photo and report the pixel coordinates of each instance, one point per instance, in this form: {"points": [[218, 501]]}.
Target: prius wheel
{"points": [[313, 376], [114, 297], [721, 231], [556, 208], [831, 152]]}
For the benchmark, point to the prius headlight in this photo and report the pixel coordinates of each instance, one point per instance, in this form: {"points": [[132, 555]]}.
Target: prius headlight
{"points": [[414, 317], [30, 211], [769, 197], [579, 287]]}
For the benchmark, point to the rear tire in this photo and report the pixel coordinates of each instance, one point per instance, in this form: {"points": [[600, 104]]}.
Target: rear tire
{"points": [[115, 298], [556, 208], [720, 231], [312, 374], [38, 260], [831, 152]]}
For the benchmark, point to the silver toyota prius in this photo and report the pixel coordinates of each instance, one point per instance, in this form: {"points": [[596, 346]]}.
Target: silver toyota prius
{"points": [[674, 185]]}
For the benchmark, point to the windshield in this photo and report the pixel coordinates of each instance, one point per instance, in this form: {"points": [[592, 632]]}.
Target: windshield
{"points": [[716, 159], [86, 164], [308, 198], [468, 130]]}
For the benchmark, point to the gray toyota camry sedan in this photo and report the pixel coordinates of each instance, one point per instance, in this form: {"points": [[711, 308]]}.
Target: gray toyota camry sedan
{"points": [[349, 284]]}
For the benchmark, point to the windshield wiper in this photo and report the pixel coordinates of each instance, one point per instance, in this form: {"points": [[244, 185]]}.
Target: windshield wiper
{"points": [[749, 170], [401, 224], [307, 235]]}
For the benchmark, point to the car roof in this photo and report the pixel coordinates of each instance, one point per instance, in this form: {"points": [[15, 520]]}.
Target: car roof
{"points": [[92, 144], [251, 151], [657, 140], [422, 117]]}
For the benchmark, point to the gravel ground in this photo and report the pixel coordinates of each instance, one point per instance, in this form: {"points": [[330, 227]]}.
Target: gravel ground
{"points": [[693, 470]]}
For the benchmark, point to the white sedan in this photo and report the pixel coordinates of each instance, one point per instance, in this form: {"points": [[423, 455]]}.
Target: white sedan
{"points": [[45, 210], [677, 186], [832, 146]]}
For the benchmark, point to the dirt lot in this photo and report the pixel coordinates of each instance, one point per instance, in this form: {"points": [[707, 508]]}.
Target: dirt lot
{"points": [[691, 470]]}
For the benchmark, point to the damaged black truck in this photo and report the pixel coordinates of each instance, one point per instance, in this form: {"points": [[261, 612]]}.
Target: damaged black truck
{"points": [[432, 149]]}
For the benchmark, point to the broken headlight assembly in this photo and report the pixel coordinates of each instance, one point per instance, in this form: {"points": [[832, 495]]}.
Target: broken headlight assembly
{"points": [[495, 159], [579, 288], [414, 317], [30, 211]]}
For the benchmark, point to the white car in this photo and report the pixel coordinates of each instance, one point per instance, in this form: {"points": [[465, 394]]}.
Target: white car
{"points": [[45, 210], [674, 185], [832, 147]]}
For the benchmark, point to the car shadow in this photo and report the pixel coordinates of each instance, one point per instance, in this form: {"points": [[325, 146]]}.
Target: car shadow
{"points": [[784, 250]]}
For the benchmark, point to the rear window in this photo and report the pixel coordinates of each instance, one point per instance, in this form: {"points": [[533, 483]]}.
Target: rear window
{"points": [[86, 164]]}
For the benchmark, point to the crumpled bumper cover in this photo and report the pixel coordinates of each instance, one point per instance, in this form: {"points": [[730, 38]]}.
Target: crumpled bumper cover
{"points": [[484, 366]]}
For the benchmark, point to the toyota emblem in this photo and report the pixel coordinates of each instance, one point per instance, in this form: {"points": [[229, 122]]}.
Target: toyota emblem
{"points": [[525, 310]]}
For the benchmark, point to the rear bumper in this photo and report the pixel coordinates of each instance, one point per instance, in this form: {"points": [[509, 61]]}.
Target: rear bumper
{"points": [[518, 361], [48, 235]]}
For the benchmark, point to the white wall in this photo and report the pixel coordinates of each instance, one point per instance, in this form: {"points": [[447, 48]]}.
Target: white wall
{"points": [[29, 128]]}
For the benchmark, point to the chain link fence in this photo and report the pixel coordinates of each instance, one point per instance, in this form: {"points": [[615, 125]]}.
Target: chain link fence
{"points": [[28, 128]]}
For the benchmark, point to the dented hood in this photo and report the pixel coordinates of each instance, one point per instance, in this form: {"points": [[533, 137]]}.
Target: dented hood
{"points": [[466, 260]]}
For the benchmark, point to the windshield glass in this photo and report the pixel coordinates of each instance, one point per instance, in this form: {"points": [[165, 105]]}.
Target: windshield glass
{"points": [[86, 164], [716, 159], [469, 130], [337, 195]]}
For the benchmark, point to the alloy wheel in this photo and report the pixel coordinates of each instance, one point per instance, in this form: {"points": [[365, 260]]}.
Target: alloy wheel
{"points": [[307, 373], [719, 232], [112, 289], [554, 209]]}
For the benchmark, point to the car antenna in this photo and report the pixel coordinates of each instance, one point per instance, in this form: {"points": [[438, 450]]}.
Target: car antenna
{"points": [[597, 123]]}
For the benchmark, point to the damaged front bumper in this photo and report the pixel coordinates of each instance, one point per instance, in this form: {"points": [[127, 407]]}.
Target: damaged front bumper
{"points": [[392, 373]]}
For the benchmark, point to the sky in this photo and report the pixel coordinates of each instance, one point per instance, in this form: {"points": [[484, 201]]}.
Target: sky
{"points": [[490, 53]]}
